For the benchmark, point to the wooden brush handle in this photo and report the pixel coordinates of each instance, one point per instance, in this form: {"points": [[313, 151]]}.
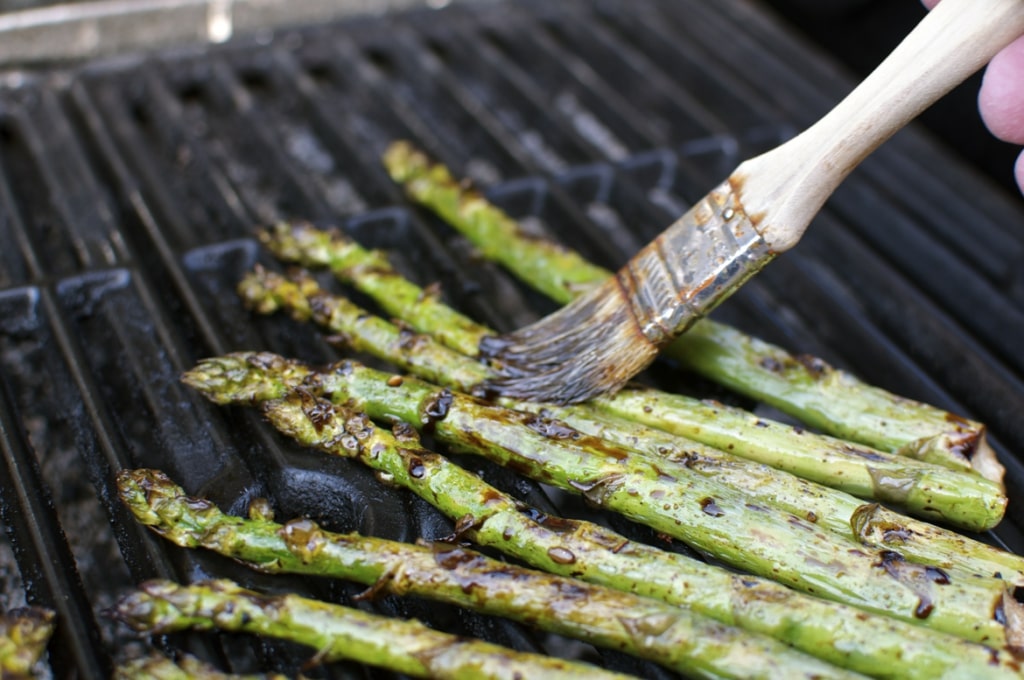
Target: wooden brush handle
{"points": [[783, 189]]}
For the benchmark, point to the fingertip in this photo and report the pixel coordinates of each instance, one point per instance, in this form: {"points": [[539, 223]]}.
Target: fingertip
{"points": [[1001, 99], [930, 3], [1019, 172]]}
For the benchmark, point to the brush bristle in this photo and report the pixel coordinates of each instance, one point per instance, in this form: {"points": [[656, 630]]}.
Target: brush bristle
{"points": [[591, 346]]}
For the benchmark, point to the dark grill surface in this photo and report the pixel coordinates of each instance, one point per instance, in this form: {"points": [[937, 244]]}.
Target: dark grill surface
{"points": [[129, 192]]}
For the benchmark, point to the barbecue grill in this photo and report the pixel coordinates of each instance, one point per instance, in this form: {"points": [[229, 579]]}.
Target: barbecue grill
{"points": [[130, 188]]}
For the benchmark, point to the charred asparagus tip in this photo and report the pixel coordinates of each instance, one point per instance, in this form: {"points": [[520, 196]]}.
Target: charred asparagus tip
{"points": [[245, 377], [159, 503], [150, 609], [25, 633], [404, 161], [267, 292], [302, 243]]}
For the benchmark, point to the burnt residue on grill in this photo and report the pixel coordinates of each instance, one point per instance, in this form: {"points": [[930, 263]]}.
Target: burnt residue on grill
{"points": [[130, 191]]}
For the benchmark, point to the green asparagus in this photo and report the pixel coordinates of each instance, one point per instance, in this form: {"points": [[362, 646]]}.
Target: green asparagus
{"points": [[372, 273], [707, 515], [676, 638], [159, 667], [266, 292], [966, 500], [923, 489], [24, 635], [804, 387], [868, 643], [336, 632], [834, 510]]}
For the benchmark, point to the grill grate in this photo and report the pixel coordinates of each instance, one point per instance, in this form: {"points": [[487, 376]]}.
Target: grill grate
{"points": [[129, 191]]}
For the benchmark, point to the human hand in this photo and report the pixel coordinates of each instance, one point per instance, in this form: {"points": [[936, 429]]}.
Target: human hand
{"points": [[1001, 100]]}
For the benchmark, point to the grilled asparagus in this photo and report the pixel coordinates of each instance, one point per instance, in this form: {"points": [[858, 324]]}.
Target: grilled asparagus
{"points": [[160, 667], [709, 516], [968, 500], [336, 632], [676, 638]]}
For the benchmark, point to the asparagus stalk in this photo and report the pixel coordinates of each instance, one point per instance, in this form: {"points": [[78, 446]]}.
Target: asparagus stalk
{"points": [[24, 634], [834, 510], [160, 667], [267, 292], [678, 639], [834, 401], [804, 387], [965, 500], [336, 632], [968, 501], [372, 273], [713, 518]]}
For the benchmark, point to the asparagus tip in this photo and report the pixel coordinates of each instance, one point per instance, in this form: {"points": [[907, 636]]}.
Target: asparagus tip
{"points": [[150, 608], [267, 292], [245, 377], [138, 490], [402, 160], [256, 291], [159, 503], [25, 633], [302, 243]]}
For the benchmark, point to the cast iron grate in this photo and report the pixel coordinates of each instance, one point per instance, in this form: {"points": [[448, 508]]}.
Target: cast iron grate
{"points": [[129, 192]]}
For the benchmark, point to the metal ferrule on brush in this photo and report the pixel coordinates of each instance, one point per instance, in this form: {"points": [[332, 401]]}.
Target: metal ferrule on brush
{"points": [[693, 265]]}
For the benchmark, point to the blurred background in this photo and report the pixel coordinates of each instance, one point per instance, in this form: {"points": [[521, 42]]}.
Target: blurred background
{"points": [[859, 33], [856, 33]]}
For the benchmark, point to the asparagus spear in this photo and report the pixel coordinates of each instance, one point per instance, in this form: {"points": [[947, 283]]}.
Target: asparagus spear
{"points": [[868, 643], [834, 510], [676, 638], [372, 273], [267, 292], [336, 632], [834, 401], [924, 489], [24, 634], [804, 387], [694, 508], [160, 667], [965, 500]]}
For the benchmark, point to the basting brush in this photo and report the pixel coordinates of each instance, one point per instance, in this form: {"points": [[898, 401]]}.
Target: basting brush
{"points": [[598, 342]]}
